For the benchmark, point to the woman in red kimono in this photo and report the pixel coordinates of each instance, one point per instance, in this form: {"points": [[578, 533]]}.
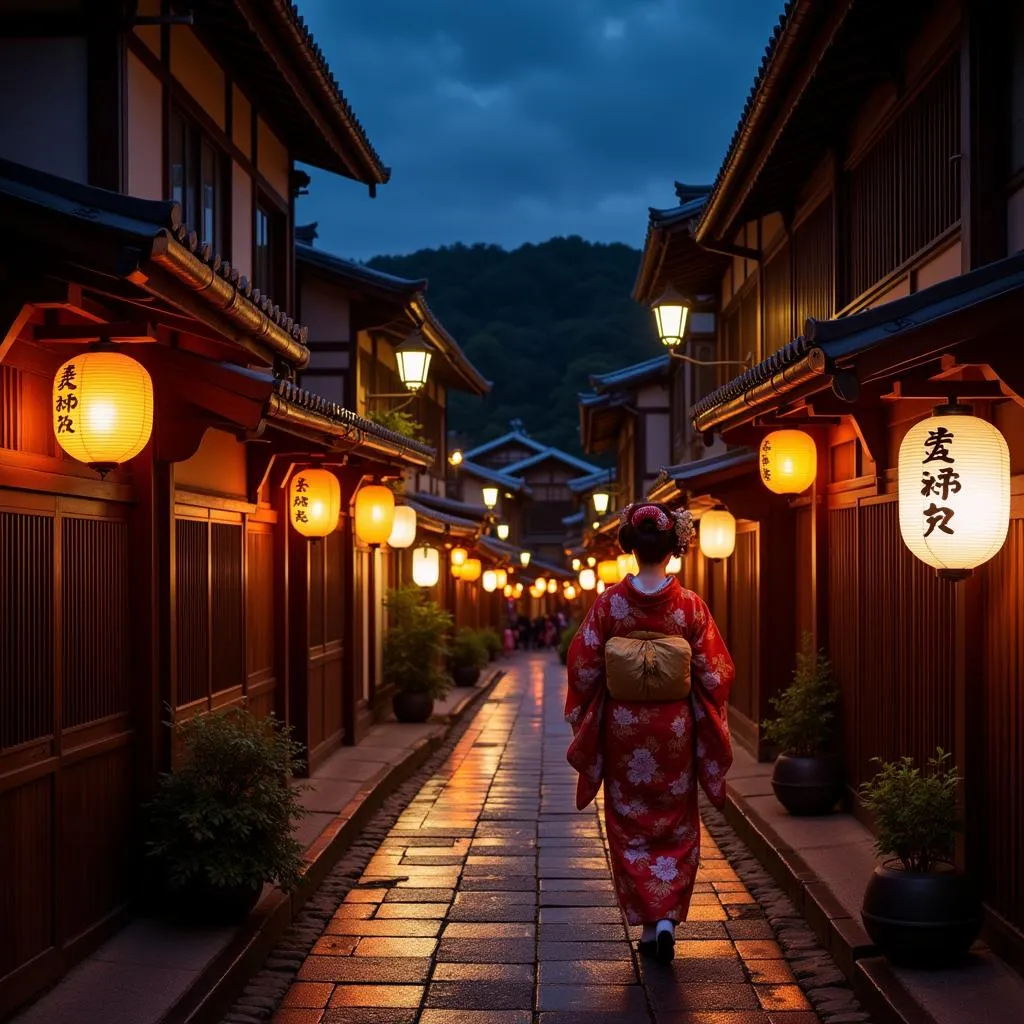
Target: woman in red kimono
{"points": [[650, 755]]}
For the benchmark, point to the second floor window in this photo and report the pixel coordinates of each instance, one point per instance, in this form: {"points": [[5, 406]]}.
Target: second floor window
{"points": [[196, 177], [268, 262]]}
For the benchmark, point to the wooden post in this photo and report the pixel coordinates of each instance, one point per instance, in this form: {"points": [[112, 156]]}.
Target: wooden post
{"points": [[350, 646], [297, 603]]}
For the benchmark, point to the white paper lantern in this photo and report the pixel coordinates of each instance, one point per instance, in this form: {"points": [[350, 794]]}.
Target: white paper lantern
{"points": [[426, 566], [552, 586], [717, 534], [501, 575], [403, 529], [588, 579], [627, 564], [489, 581], [675, 565], [600, 586], [954, 491]]}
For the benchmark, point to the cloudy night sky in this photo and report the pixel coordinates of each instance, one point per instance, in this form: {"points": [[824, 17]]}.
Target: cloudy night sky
{"points": [[512, 121]]}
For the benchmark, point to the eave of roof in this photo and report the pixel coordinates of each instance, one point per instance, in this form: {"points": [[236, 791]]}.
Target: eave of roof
{"points": [[576, 519], [144, 241], [451, 505], [950, 310], [675, 481], [632, 376], [357, 274], [268, 46], [554, 454], [437, 334], [510, 483], [582, 484], [502, 551], [442, 522], [301, 411], [512, 437]]}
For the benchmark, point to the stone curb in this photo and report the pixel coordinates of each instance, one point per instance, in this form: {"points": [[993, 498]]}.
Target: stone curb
{"points": [[842, 937], [250, 977], [817, 973]]}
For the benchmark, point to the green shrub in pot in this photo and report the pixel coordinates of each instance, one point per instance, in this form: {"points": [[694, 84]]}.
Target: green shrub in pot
{"points": [[807, 777], [468, 655], [918, 909], [492, 642], [221, 825], [415, 649]]}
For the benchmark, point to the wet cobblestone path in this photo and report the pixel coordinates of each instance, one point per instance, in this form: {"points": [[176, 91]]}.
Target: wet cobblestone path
{"points": [[490, 901]]}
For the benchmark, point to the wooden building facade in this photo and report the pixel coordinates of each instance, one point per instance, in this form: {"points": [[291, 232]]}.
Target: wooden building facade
{"points": [[863, 244]]}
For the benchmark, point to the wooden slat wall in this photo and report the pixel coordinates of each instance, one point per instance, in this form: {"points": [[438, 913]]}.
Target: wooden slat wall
{"points": [[899, 688], [743, 636], [193, 610], [813, 261], [804, 520], [67, 793], [778, 302], [999, 760], [260, 609]]}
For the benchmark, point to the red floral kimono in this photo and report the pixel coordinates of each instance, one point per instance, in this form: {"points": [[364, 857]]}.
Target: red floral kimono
{"points": [[650, 755]]}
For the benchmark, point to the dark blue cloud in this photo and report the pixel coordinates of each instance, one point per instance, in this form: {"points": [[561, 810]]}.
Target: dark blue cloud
{"points": [[514, 120]]}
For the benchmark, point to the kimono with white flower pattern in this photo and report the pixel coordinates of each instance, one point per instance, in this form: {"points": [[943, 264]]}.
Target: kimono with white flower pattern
{"points": [[649, 755]]}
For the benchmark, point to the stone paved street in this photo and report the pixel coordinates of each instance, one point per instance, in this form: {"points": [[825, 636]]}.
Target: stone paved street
{"points": [[490, 902]]}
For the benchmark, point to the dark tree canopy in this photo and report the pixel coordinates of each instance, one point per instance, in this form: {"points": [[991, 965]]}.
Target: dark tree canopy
{"points": [[537, 321]]}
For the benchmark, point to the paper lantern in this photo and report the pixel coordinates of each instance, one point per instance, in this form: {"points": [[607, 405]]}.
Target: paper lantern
{"points": [[717, 534], [552, 586], [537, 592], [459, 556], [541, 582], [502, 531], [426, 566], [403, 529], [591, 561], [501, 576], [508, 590], [489, 581], [456, 458], [314, 502], [601, 586], [608, 571], [675, 565], [375, 513], [954, 491], [576, 563], [570, 593], [490, 496], [518, 590], [524, 558], [627, 564], [470, 570], [102, 408], [588, 579], [788, 461]]}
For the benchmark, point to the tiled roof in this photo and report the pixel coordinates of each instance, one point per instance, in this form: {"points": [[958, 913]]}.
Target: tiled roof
{"points": [[576, 519], [510, 483], [298, 405], [442, 519], [632, 376], [582, 484], [95, 228], [456, 508], [676, 214], [512, 437], [357, 273], [557, 454]]}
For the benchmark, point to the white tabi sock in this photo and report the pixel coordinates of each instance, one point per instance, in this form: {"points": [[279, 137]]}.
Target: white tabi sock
{"points": [[665, 925]]}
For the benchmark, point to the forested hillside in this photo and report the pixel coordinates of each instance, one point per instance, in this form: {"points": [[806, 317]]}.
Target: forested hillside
{"points": [[537, 321]]}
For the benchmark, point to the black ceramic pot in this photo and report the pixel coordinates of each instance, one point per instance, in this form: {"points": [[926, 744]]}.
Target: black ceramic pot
{"points": [[199, 903], [412, 707], [465, 675], [808, 786], [920, 919]]}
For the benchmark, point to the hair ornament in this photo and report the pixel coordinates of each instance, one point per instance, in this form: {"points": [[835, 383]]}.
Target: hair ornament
{"points": [[650, 513], [684, 527]]}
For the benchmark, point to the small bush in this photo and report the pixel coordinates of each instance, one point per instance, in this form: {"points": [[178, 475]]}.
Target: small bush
{"points": [[225, 817], [398, 421], [915, 812], [468, 649], [492, 641], [416, 644], [802, 726]]}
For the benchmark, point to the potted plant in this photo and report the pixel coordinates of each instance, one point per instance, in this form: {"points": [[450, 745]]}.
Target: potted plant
{"points": [[807, 777], [220, 826], [415, 647], [467, 656], [918, 909], [492, 642]]}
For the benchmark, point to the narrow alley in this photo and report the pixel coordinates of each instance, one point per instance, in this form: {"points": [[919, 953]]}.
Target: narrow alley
{"points": [[490, 901]]}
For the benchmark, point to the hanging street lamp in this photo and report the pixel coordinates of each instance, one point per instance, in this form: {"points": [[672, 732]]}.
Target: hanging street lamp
{"points": [[490, 497], [524, 558], [601, 500], [502, 531], [954, 491], [413, 357], [456, 458], [670, 314]]}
